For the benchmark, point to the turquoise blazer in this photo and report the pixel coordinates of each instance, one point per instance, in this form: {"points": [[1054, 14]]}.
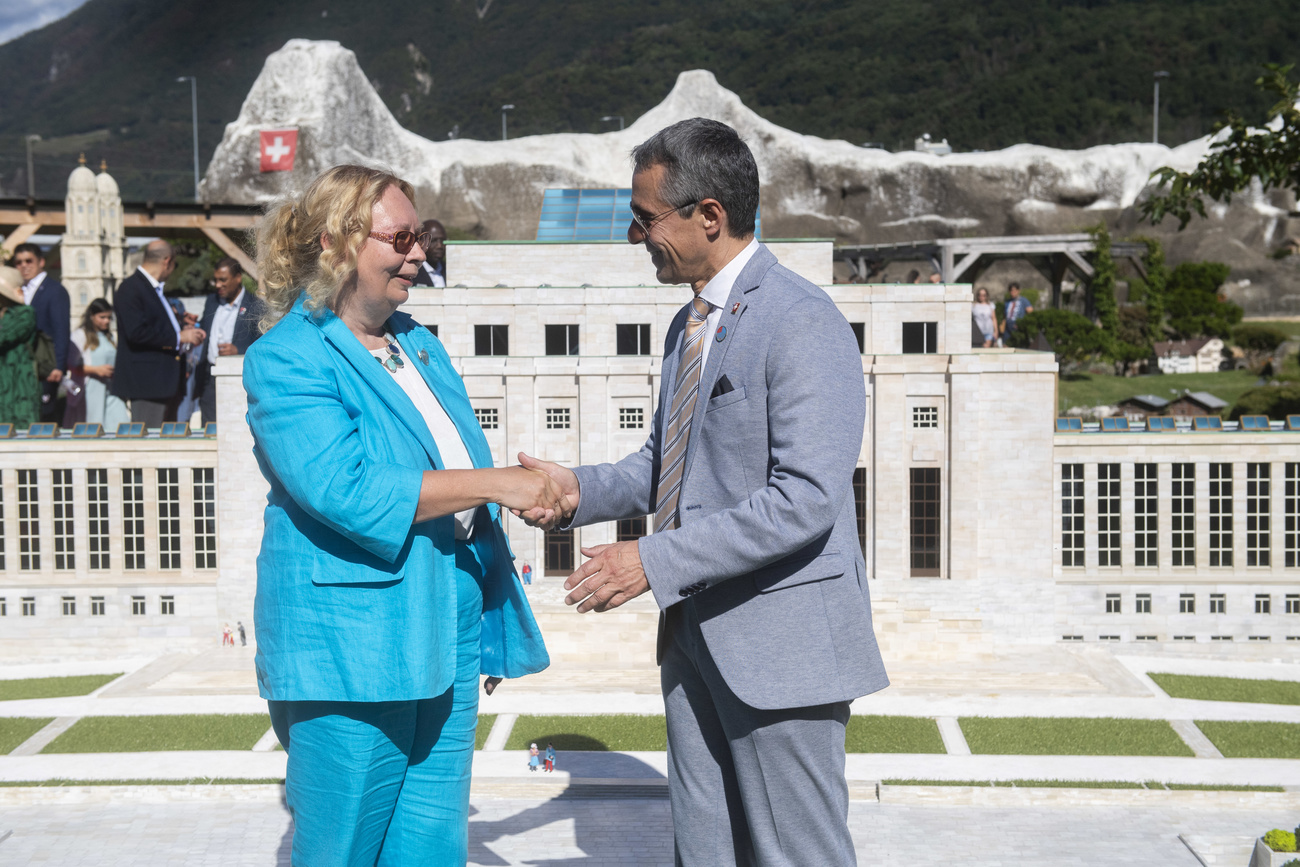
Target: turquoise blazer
{"points": [[354, 602]]}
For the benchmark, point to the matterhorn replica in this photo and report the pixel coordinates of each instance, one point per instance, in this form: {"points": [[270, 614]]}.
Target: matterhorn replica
{"points": [[812, 187]]}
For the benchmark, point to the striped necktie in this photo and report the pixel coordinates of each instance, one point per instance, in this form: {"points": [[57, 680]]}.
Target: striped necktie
{"points": [[677, 432]]}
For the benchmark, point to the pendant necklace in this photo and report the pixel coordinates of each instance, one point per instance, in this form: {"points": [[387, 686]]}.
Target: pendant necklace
{"points": [[393, 362]]}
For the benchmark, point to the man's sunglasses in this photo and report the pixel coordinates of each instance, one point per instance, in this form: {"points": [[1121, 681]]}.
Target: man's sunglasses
{"points": [[403, 241], [644, 223]]}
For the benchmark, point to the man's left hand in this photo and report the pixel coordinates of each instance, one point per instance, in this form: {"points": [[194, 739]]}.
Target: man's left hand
{"points": [[55, 376], [611, 577], [227, 349]]}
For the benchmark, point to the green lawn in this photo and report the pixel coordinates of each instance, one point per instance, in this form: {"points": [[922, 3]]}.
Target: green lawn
{"points": [[892, 734], [16, 729], [1102, 390], [1253, 740], [142, 734], [485, 723], [53, 687], [595, 733], [1229, 688], [1066, 736]]}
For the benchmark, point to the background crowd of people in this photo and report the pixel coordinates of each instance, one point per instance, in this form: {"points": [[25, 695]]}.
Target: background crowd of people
{"points": [[155, 366]]}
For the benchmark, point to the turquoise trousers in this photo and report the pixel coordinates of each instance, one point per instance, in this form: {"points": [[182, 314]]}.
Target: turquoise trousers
{"points": [[387, 783]]}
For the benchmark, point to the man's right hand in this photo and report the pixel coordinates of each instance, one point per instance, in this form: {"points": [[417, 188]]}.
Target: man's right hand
{"points": [[568, 483]]}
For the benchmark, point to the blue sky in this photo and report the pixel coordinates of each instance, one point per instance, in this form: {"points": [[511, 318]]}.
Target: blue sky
{"points": [[19, 16]]}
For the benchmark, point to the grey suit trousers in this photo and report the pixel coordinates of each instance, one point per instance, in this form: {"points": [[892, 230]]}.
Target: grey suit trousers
{"points": [[748, 786]]}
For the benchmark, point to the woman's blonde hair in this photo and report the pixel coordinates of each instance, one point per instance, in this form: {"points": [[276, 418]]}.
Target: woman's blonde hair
{"points": [[290, 257]]}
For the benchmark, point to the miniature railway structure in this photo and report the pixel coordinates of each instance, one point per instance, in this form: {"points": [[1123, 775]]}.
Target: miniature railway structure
{"points": [[961, 260]]}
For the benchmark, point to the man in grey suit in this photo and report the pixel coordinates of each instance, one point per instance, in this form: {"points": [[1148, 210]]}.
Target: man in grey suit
{"points": [[765, 633]]}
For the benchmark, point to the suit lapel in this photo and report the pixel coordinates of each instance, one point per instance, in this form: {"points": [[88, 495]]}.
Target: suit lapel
{"points": [[379, 380], [749, 279]]}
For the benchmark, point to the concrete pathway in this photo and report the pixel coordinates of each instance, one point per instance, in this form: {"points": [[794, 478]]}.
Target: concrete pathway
{"points": [[253, 828], [611, 809]]}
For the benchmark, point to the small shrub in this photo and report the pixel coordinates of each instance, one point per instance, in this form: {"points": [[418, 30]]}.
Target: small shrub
{"points": [[1258, 337], [1272, 401], [1279, 840]]}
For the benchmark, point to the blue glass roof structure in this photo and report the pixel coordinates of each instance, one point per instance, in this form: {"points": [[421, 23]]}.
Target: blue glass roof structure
{"points": [[591, 215]]}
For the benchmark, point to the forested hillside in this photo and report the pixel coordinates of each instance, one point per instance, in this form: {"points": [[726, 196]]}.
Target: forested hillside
{"points": [[983, 73]]}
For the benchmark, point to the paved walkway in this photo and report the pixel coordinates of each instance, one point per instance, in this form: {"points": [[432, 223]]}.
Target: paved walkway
{"points": [[610, 808], [505, 832]]}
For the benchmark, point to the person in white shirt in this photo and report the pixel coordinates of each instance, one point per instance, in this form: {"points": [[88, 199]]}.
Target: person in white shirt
{"points": [[150, 372], [230, 319]]}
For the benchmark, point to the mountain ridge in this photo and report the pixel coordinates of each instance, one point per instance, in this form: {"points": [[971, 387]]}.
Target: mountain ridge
{"points": [[986, 75]]}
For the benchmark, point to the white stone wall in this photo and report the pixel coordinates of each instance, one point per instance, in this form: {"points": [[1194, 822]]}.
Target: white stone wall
{"points": [[609, 263], [49, 631], [1000, 576], [1082, 591]]}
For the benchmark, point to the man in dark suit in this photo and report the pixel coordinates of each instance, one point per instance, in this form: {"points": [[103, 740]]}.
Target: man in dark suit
{"points": [[150, 370], [433, 270], [229, 320], [53, 318], [765, 632]]}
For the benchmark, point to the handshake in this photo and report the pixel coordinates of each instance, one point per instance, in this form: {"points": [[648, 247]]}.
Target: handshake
{"points": [[545, 495]]}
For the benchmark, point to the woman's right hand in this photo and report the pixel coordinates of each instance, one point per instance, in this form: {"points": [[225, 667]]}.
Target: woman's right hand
{"points": [[530, 492], [100, 371]]}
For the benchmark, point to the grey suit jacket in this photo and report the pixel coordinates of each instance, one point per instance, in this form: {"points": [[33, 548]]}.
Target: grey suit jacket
{"points": [[768, 543]]}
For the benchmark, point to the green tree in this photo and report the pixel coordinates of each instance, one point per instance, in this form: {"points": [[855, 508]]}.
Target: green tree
{"points": [[1192, 298], [1153, 288], [1101, 289], [1273, 401], [1073, 338], [1269, 151], [1259, 342]]}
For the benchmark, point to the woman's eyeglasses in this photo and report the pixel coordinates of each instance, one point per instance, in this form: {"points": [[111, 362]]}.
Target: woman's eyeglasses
{"points": [[403, 241]]}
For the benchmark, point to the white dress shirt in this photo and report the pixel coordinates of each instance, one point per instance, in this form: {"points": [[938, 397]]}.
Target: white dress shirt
{"points": [[223, 326], [435, 274], [451, 448], [29, 288], [718, 290], [162, 299]]}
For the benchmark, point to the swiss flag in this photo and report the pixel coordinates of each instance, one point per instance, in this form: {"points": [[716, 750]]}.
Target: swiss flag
{"points": [[279, 146]]}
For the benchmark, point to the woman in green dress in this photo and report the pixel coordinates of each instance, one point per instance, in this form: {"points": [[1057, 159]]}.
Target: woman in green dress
{"points": [[20, 393]]}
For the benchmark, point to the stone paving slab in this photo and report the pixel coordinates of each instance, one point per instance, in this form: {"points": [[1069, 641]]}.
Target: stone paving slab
{"points": [[505, 832], [513, 764]]}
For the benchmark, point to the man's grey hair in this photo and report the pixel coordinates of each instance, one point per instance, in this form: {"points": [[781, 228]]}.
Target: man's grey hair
{"points": [[704, 159]]}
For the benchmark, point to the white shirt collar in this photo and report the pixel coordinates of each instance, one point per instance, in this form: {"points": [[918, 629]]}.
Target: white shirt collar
{"points": [[29, 288], [152, 282], [718, 290], [233, 305]]}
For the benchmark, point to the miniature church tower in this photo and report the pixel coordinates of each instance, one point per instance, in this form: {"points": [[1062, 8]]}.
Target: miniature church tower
{"points": [[93, 241]]}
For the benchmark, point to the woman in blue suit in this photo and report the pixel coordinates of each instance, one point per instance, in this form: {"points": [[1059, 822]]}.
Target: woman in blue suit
{"points": [[385, 584]]}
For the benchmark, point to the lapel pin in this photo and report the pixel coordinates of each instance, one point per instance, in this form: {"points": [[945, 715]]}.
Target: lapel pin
{"points": [[423, 355], [734, 308], [721, 333]]}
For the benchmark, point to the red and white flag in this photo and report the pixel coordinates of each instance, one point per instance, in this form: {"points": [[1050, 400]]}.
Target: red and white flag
{"points": [[279, 146]]}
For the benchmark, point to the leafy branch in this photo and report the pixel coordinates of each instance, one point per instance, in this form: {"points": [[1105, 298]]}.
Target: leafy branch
{"points": [[1270, 152]]}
